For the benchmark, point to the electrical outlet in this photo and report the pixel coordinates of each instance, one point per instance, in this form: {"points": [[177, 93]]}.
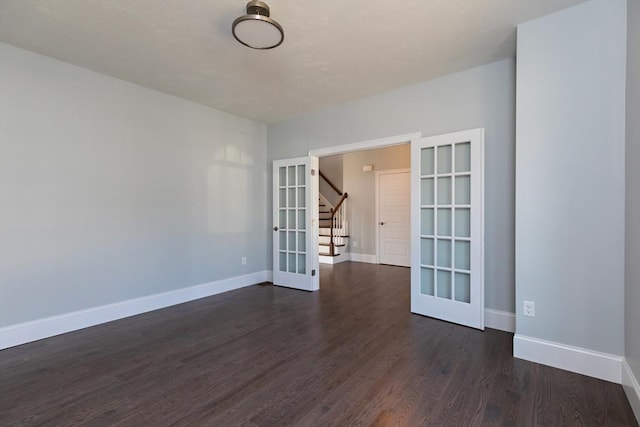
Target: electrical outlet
{"points": [[244, 260], [529, 308]]}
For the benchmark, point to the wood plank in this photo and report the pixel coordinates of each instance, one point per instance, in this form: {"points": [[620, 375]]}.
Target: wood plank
{"points": [[350, 354]]}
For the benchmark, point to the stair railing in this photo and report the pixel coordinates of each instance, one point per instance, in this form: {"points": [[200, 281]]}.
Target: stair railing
{"points": [[331, 184], [339, 227]]}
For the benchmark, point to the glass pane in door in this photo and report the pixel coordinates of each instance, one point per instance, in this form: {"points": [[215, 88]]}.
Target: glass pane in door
{"points": [[463, 190], [443, 284], [426, 191], [444, 222], [426, 281], [282, 176], [292, 262], [426, 251], [444, 159], [443, 253], [463, 255], [292, 219], [426, 161], [463, 287], [426, 221], [444, 191], [463, 157], [291, 198], [292, 176], [463, 222], [292, 241], [283, 239]]}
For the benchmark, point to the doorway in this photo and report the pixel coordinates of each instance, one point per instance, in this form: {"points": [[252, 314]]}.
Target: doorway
{"points": [[358, 176], [393, 217], [447, 221]]}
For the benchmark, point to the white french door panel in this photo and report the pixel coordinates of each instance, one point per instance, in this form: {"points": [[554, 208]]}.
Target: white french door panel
{"points": [[447, 223], [295, 223]]}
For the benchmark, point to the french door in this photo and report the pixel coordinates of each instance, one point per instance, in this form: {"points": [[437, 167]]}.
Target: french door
{"points": [[295, 223], [447, 209]]}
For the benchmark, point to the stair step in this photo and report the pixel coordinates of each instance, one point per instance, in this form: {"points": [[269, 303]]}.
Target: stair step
{"points": [[334, 255], [335, 236], [335, 245], [324, 250], [338, 241]]}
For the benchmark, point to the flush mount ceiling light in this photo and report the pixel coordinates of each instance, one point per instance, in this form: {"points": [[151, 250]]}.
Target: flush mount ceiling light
{"points": [[255, 29]]}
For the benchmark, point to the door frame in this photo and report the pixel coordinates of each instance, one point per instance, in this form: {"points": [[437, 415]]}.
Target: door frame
{"points": [[370, 144], [366, 145], [377, 207]]}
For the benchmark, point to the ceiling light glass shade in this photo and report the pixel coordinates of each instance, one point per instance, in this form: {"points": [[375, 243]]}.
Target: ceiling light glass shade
{"points": [[255, 29]]}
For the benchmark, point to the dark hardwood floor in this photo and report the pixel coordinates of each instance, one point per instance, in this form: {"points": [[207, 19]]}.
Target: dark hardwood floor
{"points": [[351, 354]]}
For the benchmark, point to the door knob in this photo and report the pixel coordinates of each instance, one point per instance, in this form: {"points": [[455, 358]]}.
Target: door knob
{"points": [[382, 223], [275, 228]]}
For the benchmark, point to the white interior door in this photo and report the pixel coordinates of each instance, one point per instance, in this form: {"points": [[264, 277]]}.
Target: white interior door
{"points": [[295, 223], [393, 217], [447, 209]]}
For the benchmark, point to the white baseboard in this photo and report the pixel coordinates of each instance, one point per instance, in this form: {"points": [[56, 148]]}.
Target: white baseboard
{"points": [[368, 258], [326, 259], [604, 366], [43, 328], [501, 320], [631, 388]]}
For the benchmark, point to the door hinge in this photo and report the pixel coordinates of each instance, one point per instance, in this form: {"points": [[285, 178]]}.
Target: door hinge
{"points": [[313, 172], [313, 272]]}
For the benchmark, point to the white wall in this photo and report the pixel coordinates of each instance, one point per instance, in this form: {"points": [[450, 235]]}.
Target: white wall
{"points": [[570, 176], [361, 187], [632, 234], [331, 167], [480, 97], [110, 191]]}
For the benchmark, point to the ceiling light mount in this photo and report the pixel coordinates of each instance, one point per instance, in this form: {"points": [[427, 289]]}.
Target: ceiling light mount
{"points": [[257, 7], [256, 29]]}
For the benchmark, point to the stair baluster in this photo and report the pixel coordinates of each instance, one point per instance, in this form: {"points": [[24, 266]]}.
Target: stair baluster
{"points": [[338, 228], [338, 222]]}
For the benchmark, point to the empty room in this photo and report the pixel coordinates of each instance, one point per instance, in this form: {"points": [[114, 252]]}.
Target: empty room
{"points": [[301, 213]]}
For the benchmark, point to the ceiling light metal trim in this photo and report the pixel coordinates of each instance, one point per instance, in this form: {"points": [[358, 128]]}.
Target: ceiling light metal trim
{"points": [[257, 11]]}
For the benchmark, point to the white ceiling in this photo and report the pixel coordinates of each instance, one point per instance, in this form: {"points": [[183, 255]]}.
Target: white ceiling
{"points": [[334, 50]]}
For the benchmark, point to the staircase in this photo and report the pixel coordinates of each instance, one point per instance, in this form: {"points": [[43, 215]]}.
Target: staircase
{"points": [[333, 227]]}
